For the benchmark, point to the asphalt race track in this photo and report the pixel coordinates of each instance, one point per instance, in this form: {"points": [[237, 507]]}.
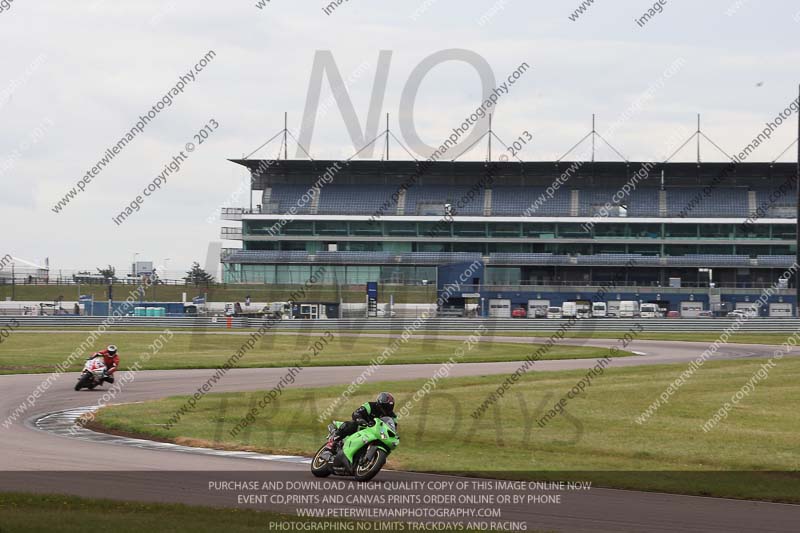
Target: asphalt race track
{"points": [[131, 473]]}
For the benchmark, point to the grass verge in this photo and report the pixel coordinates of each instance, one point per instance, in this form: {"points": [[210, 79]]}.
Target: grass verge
{"points": [[687, 336], [740, 338], [24, 352], [34, 513], [752, 454], [21, 512]]}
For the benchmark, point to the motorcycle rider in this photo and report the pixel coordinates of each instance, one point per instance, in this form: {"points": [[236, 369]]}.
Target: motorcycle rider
{"points": [[111, 360], [364, 416]]}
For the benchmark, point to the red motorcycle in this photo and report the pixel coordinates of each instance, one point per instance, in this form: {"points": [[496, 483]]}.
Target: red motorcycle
{"points": [[94, 371]]}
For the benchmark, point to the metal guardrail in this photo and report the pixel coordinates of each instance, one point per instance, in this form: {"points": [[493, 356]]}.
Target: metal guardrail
{"points": [[665, 325]]}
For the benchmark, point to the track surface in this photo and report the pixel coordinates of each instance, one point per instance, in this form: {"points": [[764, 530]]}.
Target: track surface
{"points": [[24, 449]]}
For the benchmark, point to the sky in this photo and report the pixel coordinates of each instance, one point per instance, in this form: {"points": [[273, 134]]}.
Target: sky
{"points": [[77, 76]]}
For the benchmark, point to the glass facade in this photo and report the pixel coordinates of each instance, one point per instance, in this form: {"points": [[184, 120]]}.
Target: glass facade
{"points": [[563, 248], [520, 230], [665, 239], [290, 274]]}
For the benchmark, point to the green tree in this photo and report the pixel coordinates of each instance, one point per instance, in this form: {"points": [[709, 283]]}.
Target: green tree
{"points": [[198, 276], [108, 273]]}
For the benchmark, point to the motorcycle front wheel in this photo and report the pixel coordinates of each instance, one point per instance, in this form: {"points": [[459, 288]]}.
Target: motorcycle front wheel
{"points": [[82, 382], [320, 467], [369, 469]]}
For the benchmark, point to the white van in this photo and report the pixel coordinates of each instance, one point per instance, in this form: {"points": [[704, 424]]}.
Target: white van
{"points": [[599, 310], [691, 309], [628, 309], [499, 308], [649, 311], [782, 310], [538, 308], [553, 312], [569, 309]]}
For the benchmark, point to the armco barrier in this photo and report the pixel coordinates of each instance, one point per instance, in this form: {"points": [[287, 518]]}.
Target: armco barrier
{"points": [[753, 325]]}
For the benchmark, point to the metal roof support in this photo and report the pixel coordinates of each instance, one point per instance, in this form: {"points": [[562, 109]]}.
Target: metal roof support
{"points": [[593, 134], [387, 136], [490, 138], [696, 135]]}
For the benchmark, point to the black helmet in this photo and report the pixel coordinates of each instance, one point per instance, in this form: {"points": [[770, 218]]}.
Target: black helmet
{"points": [[386, 401]]}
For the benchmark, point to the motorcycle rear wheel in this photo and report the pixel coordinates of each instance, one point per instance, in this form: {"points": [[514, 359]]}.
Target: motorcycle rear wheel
{"points": [[319, 466], [368, 471]]}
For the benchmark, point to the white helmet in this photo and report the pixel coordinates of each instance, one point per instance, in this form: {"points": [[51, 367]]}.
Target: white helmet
{"points": [[112, 350]]}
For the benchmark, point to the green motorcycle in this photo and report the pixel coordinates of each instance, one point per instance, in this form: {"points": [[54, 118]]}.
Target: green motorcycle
{"points": [[361, 455]]}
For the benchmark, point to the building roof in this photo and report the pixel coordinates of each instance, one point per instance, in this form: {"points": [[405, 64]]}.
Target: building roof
{"points": [[746, 173]]}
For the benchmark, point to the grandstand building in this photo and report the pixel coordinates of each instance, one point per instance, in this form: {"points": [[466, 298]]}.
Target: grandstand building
{"points": [[712, 233]]}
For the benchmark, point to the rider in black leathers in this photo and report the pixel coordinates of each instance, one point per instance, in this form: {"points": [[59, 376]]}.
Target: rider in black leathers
{"points": [[363, 416]]}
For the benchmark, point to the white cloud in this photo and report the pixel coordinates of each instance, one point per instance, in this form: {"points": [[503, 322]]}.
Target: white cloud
{"points": [[107, 62]]}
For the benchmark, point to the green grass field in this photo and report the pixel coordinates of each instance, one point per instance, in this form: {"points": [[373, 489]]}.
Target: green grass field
{"points": [[689, 336], [68, 514], [29, 513], [26, 352], [742, 338], [743, 457]]}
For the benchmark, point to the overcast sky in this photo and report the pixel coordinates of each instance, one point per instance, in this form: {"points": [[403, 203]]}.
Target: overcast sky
{"points": [[77, 75]]}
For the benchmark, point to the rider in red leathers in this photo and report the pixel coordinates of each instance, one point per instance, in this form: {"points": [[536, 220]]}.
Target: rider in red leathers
{"points": [[111, 360]]}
